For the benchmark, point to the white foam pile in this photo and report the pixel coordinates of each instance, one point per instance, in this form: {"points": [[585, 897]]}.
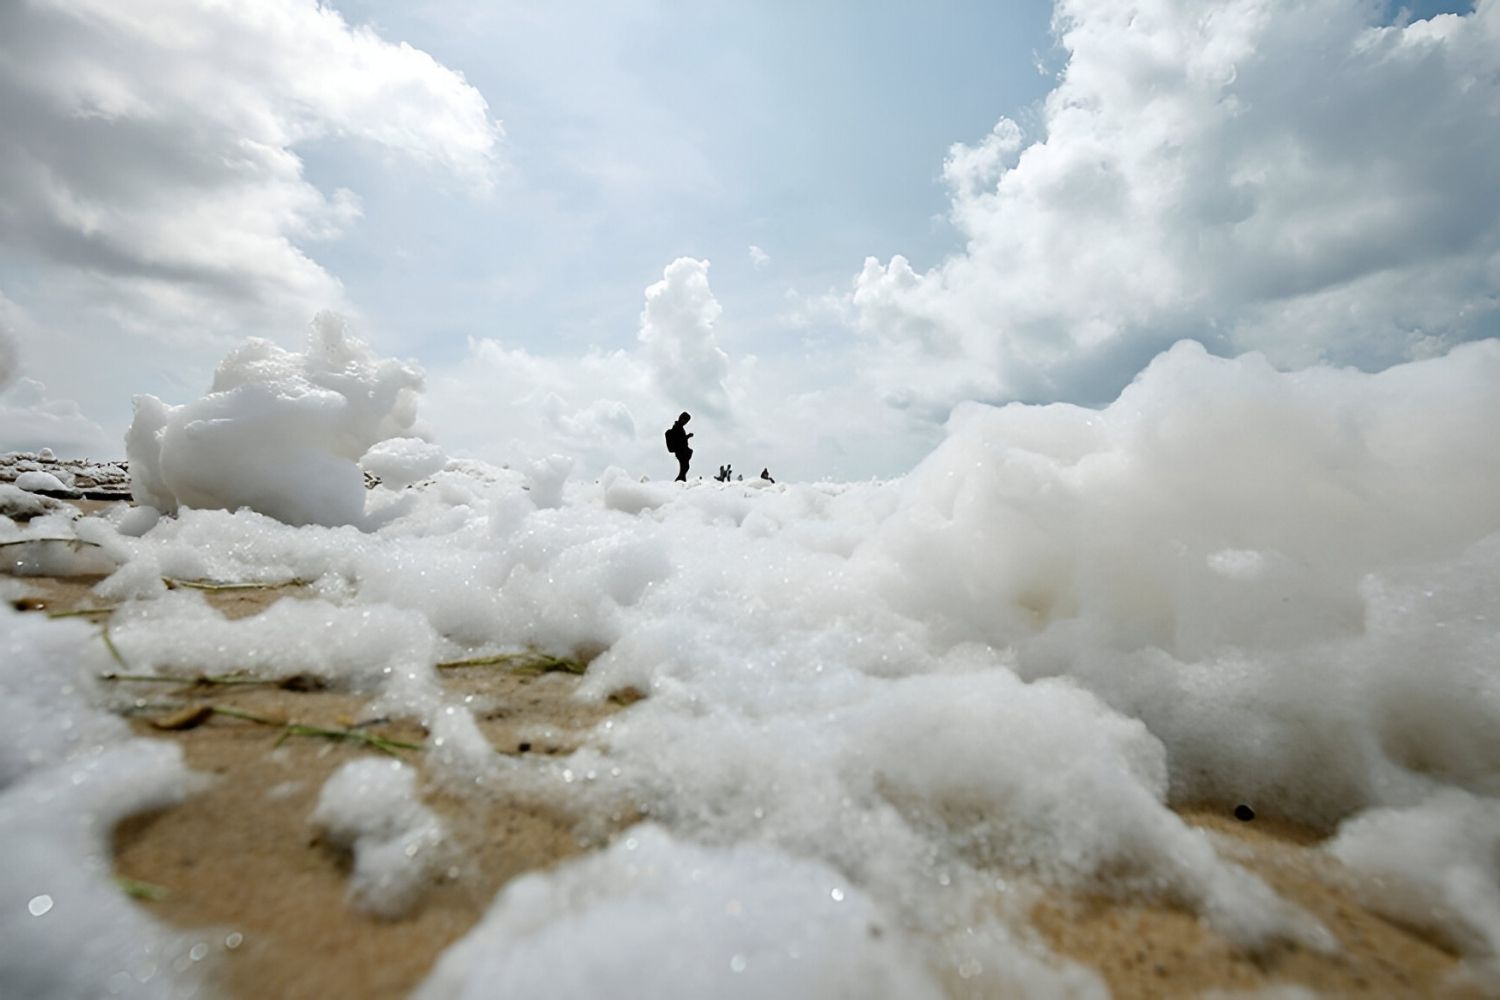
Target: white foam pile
{"points": [[371, 808], [68, 773], [279, 432], [1434, 865], [38, 482], [739, 922], [403, 461], [19, 504], [881, 717], [40, 536]]}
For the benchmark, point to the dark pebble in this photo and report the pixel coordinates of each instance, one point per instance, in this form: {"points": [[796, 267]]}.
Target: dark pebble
{"points": [[1243, 813]]}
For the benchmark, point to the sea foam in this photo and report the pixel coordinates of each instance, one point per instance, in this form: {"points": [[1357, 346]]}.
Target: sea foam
{"points": [[994, 676]]}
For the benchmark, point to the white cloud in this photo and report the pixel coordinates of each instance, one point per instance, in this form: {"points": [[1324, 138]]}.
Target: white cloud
{"points": [[10, 356], [759, 259], [31, 421], [677, 338], [510, 405], [150, 159], [797, 416], [1255, 174]]}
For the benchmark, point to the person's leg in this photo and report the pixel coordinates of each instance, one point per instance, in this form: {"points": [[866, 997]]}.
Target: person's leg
{"points": [[682, 465]]}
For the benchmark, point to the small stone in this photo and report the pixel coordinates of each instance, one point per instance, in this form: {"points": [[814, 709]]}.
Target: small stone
{"points": [[186, 718], [626, 696], [1243, 813]]}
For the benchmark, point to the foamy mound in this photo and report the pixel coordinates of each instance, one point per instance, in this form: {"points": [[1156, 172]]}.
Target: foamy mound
{"points": [[400, 462], [370, 807], [68, 773], [723, 923], [1290, 578], [1435, 866], [279, 432]]}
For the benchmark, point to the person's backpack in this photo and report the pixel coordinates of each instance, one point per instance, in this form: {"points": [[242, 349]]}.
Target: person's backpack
{"points": [[674, 437]]}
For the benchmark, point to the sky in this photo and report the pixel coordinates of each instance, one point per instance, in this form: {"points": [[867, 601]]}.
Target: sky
{"points": [[817, 227]]}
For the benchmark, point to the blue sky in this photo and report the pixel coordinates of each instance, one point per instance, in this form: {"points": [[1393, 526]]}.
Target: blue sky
{"points": [[551, 207], [639, 133]]}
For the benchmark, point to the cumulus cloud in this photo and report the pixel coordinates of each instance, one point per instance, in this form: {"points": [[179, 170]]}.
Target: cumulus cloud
{"points": [[150, 150], [1290, 177], [677, 337], [797, 416], [31, 420], [759, 259]]}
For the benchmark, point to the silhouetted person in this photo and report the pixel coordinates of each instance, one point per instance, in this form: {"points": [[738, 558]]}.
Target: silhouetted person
{"points": [[766, 475], [726, 472], [677, 444]]}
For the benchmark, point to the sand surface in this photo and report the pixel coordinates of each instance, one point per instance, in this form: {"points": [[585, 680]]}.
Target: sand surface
{"points": [[240, 865]]}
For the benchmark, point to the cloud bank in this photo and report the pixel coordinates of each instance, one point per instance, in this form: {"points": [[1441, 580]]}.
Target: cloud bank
{"points": [[33, 421], [30, 419], [151, 151], [1292, 178]]}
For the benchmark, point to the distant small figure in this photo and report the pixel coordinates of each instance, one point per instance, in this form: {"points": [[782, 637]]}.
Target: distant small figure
{"points": [[766, 475], [740, 478], [677, 444], [726, 472]]}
